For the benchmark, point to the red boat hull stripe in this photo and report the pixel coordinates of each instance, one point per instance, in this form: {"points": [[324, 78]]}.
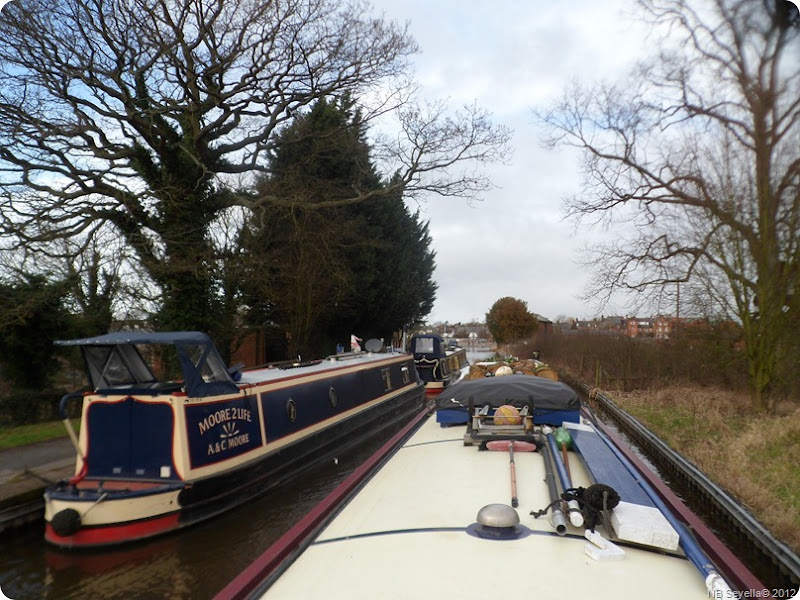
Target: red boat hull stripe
{"points": [[107, 535]]}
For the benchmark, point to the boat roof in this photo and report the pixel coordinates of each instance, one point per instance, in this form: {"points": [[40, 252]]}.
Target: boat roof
{"points": [[113, 363], [139, 337], [410, 533], [282, 371]]}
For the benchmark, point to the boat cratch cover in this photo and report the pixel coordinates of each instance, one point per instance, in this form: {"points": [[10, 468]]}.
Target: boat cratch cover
{"points": [[113, 361], [516, 390]]}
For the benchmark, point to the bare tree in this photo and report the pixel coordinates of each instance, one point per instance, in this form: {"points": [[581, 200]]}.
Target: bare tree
{"points": [[146, 115], [699, 155]]}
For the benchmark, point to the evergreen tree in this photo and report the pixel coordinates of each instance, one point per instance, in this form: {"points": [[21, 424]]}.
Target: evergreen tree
{"points": [[323, 272], [32, 315], [393, 271]]}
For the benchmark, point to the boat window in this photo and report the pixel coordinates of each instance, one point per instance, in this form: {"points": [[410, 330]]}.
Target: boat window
{"points": [[423, 346], [208, 364], [405, 374], [112, 366]]}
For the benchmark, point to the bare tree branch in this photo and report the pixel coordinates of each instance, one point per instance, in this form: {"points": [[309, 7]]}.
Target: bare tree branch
{"points": [[701, 152], [140, 115]]}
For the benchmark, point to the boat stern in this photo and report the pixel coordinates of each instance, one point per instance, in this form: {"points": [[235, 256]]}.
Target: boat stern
{"points": [[97, 513]]}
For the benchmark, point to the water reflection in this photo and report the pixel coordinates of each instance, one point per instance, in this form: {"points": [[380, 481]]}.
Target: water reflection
{"points": [[478, 354]]}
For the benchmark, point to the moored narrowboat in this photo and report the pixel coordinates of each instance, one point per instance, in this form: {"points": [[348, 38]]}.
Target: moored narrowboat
{"points": [[157, 453], [438, 363]]}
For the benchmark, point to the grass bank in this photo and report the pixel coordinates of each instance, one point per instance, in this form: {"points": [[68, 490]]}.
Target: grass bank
{"points": [[11, 437], [755, 457]]}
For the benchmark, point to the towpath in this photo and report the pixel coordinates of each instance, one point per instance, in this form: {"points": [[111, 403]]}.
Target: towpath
{"points": [[25, 472]]}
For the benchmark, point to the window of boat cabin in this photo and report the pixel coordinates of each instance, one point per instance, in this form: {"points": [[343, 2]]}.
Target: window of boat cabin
{"points": [[208, 364], [115, 366], [423, 346]]}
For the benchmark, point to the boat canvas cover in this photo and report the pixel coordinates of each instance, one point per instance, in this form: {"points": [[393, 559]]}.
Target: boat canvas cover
{"points": [[516, 390], [113, 361]]}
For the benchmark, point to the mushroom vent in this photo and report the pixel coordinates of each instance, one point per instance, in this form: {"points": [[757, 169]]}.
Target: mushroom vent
{"points": [[498, 522]]}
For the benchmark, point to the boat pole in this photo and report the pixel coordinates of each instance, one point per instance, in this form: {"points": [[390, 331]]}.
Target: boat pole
{"points": [[514, 499], [575, 514], [559, 522], [521, 446], [715, 583], [62, 411]]}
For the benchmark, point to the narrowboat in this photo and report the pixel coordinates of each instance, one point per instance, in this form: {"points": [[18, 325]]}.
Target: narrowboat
{"points": [[513, 503], [438, 363], [170, 436]]}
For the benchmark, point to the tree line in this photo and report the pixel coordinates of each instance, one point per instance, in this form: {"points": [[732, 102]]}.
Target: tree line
{"points": [[204, 165]]}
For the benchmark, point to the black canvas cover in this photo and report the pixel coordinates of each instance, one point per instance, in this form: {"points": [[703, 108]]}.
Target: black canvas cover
{"points": [[516, 390]]}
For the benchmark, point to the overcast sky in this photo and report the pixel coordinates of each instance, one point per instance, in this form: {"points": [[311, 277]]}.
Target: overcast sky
{"points": [[512, 56]]}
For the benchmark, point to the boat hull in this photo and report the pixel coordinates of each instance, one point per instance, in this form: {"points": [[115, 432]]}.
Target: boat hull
{"points": [[207, 473]]}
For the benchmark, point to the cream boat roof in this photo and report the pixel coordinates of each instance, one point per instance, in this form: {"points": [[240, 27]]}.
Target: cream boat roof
{"points": [[340, 361], [395, 538]]}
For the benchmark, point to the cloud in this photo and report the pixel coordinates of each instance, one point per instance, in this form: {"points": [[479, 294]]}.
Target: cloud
{"points": [[511, 56]]}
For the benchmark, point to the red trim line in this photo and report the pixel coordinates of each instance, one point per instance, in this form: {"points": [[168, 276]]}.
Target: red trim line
{"points": [[736, 572], [249, 579], [107, 535]]}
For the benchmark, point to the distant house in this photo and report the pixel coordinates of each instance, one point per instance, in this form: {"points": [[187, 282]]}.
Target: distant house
{"points": [[663, 327], [472, 334], [638, 327], [603, 326], [545, 325]]}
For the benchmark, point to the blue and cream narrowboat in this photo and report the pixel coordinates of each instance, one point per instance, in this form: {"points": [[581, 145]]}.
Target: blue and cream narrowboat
{"points": [[156, 453]]}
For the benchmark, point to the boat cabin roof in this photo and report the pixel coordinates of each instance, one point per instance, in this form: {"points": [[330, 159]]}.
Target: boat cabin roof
{"points": [[411, 532], [140, 337], [114, 362]]}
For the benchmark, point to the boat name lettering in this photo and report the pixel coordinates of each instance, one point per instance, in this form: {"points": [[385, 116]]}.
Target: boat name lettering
{"points": [[223, 415], [227, 443]]}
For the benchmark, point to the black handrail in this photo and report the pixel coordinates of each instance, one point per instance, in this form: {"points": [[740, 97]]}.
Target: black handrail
{"points": [[62, 405]]}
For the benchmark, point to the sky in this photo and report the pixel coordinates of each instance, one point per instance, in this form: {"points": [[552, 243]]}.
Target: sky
{"points": [[512, 56]]}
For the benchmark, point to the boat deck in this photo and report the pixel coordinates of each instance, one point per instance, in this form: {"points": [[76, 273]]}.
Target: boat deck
{"points": [[405, 535]]}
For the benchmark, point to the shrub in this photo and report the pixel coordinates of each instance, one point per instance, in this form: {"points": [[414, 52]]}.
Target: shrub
{"points": [[28, 407]]}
